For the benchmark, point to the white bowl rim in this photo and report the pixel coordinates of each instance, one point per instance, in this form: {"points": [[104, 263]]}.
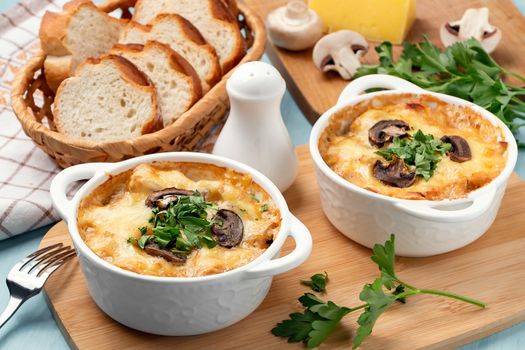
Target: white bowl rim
{"points": [[324, 119], [101, 176]]}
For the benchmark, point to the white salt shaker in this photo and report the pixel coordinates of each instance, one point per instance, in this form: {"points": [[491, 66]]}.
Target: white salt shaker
{"points": [[255, 133]]}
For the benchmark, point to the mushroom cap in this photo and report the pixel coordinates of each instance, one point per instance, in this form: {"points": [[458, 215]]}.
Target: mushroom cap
{"points": [[385, 130], [164, 197], [473, 24], [294, 26], [460, 150], [395, 174], [230, 230], [153, 249], [335, 41]]}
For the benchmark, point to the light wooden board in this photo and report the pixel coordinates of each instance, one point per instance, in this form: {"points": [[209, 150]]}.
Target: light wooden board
{"points": [[490, 269], [315, 92]]}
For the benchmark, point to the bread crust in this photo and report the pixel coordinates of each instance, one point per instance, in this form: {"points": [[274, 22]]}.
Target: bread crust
{"points": [[193, 35], [223, 13], [131, 74], [52, 33], [175, 61], [53, 28], [56, 70]]}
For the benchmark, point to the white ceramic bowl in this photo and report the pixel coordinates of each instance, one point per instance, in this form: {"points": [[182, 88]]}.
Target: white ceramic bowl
{"points": [[422, 228], [177, 305]]}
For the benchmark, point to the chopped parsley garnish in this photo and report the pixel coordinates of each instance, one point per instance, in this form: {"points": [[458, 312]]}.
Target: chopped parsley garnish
{"points": [[421, 150], [182, 226], [264, 208], [317, 282]]}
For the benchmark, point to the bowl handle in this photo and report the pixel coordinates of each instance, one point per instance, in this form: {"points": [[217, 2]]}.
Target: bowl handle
{"points": [[374, 81], [303, 248], [66, 177], [479, 205]]}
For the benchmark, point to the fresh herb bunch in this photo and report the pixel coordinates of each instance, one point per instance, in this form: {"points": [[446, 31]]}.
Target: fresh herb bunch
{"points": [[320, 318], [317, 282], [464, 70], [421, 150], [182, 226]]}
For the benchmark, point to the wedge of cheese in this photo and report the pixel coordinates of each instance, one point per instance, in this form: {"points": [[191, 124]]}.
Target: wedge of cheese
{"points": [[376, 20]]}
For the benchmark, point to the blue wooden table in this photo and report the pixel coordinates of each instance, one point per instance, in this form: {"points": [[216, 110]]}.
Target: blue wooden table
{"points": [[33, 327]]}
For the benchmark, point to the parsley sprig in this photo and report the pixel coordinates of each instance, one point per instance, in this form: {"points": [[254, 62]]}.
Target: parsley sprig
{"points": [[464, 70], [421, 150], [182, 226], [319, 319]]}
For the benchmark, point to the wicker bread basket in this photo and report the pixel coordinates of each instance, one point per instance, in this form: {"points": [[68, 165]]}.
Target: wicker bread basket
{"points": [[32, 102]]}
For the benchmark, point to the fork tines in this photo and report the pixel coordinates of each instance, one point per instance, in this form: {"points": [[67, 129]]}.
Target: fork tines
{"points": [[46, 259]]}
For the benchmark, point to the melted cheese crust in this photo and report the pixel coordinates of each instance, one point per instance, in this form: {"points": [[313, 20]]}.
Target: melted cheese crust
{"points": [[115, 210], [345, 147]]}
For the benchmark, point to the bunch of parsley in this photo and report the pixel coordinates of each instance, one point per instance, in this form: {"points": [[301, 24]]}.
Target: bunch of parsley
{"points": [[421, 150], [319, 319], [182, 226], [464, 70]]}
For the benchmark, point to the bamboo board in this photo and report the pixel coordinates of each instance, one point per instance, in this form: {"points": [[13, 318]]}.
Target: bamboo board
{"points": [[490, 269], [315, 92]]}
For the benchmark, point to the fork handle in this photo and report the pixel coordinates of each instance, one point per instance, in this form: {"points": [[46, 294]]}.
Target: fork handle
{"points": [[13, 305]]}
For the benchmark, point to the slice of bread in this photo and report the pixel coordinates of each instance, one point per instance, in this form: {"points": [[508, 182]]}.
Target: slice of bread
{"points": [[182, 37], [108, 99], [217, 24], [178, 86], [82, 31]]}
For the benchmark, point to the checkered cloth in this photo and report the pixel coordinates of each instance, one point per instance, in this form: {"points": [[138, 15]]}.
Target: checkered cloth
{"points": [[25, 170]]}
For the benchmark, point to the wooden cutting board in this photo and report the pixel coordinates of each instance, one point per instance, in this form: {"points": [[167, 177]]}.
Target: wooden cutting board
{"points": [[315, 92], [490, 269]]}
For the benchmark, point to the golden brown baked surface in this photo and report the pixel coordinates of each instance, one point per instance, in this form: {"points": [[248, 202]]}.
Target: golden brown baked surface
{"points": [[345, 147], [115, 210]]}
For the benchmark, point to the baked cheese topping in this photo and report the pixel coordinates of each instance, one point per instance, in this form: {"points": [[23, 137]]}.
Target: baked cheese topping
{"points": [[112, 214], [345, 147]]}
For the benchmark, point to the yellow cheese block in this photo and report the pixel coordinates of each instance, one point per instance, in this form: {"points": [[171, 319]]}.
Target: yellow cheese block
{"points": [[376, 20]]}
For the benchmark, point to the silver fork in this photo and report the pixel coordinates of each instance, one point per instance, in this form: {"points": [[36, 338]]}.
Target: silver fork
{"points": [[28, 276]]}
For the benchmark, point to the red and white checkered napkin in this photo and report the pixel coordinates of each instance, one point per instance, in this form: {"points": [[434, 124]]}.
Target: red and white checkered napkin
{"points": [[25, 170]]}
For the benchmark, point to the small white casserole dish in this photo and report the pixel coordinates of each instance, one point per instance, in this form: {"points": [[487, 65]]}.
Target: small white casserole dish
{"points": [[422, 227], [177, 306]]}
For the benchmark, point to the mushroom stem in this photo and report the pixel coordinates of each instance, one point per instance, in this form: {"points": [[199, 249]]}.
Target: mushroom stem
{"points": [[296, 13], [348, 62]]}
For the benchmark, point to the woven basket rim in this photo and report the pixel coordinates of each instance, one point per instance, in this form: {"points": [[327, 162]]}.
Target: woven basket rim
{"points": [[29, 121]]}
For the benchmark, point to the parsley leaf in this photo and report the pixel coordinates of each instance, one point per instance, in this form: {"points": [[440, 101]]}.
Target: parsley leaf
{"points": [[420, 150], [317, 282], [142, 241], [464, 70], [376, 303], [314, 325], [264, 208]]}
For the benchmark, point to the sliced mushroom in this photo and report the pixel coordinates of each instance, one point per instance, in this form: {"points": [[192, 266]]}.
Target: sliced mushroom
{"points": [[229, 229], [294, 26], [385, 130], [474, 24], [163, 198], [395, 174], [460, 150], [153, 248], [341, 52]]}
